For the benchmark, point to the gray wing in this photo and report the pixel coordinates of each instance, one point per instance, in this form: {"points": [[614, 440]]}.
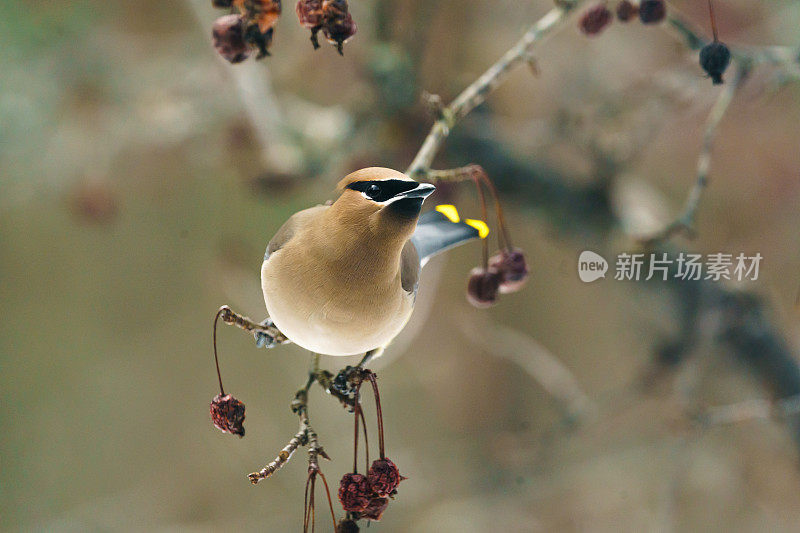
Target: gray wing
{"points": [[409, 268], [435, 234], [290, 227]]}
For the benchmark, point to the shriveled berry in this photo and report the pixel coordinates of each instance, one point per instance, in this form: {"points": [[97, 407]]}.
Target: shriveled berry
{"points": [[715, 58], [375, 509], [227, 413], [346, 525], [264, 12], [595, 19], [311, 16], [338, 25], [384, 476], [482, 287], [340, 31], [626, 10], [309, 13], [354, 492], [652, 11], [513, 269], [228, 34]]}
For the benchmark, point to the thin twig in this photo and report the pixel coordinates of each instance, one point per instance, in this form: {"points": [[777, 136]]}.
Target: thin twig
{"points": [[749, 410], [476, 93], [685, 222], [301, 438], [776, 55], [280, 461], [248, 324]]}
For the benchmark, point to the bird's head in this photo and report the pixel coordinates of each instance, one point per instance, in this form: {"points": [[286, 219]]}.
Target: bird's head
{"points": [[382, 197]]}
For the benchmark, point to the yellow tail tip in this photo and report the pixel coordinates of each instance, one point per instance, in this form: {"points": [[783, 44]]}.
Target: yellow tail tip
{"points": [[480, 225], [450, 212]]}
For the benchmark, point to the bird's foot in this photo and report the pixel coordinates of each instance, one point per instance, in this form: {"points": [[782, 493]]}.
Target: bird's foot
{"points": [[348, 379], [263, 339]]}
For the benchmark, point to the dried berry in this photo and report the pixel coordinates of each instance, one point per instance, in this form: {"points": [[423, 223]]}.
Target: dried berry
{"points": [[347, 526], [375, 509], [384, 476], [264, 12], [310, 15], [354, 492], [338, 26], [652, 11], [482, 287], [227, 413], [222, 3], [626, 10], [715, 58], [513, 269], [228, 36], [595, 19]]}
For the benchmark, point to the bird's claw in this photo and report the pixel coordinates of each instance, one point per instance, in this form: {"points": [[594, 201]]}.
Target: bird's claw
{"points": [[265, 340], [347, 380]]}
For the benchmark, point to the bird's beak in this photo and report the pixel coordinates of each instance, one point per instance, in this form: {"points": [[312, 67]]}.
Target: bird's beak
{"points": [[423, 190]]}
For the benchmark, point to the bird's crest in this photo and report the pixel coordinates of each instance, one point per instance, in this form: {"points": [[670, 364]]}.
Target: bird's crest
{"points": [[371, 174]]}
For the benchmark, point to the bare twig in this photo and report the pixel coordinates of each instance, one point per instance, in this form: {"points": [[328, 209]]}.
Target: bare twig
{"points": [[248, 324], [477, 92], [775, 55], [301, 438], [685, 222], [749, 410]]}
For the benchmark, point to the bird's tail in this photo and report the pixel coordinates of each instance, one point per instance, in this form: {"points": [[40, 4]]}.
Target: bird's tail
{"points": [[443, 229]]}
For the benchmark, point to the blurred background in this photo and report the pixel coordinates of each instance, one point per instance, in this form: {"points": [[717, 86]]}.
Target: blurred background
{"points": [[141, 177]]}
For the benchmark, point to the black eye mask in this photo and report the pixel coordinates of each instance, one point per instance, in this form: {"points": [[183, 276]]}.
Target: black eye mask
{"points": [[383, 190]]}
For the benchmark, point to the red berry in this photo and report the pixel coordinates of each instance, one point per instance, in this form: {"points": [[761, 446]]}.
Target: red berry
{"points": [[354, 492], [375, 509], [482, 287], [339, 31], [384, 476], [228, 38], [227, 413], [338, 25], [513, 270], [309, 13], [652, 11], [626, 10], [595, 19]]}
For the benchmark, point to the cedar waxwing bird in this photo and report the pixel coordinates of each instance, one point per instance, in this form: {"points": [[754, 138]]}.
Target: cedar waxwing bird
{"points": [[341, 279]]}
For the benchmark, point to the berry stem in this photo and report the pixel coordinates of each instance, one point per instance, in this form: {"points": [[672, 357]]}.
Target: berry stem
{"points": [[357, 408], [713, 21], [484, 216], [328, 492], [504, 238], [374, 382], [366, 439], [223, 309]]}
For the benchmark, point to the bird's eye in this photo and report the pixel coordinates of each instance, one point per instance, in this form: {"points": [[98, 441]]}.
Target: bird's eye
{"points": [[373, 191]]}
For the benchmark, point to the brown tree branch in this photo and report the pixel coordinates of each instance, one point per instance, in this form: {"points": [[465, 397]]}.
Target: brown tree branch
{"points": [[477, 91]]}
